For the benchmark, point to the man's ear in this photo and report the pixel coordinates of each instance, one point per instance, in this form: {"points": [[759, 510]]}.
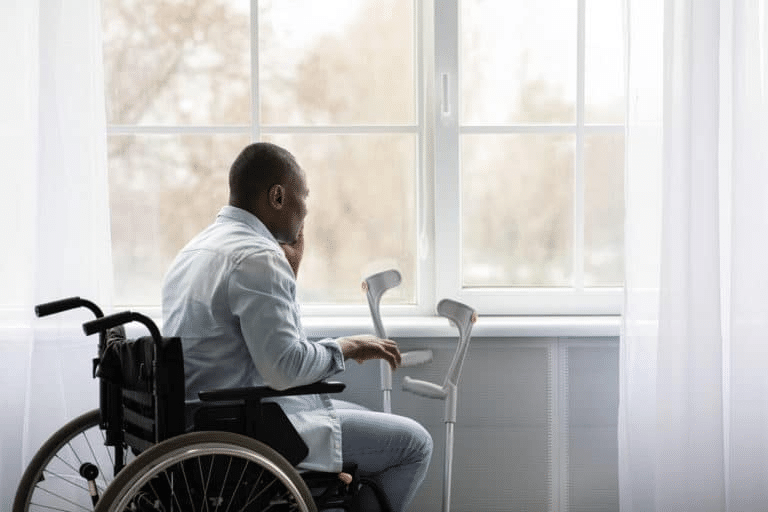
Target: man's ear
{"points": [[277, 196]]}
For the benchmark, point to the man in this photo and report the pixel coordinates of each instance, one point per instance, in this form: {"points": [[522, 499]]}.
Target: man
{"points": [[230, 295]]}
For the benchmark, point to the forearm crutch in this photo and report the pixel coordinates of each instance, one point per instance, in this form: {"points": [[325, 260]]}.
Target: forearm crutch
{"points": [[375, 286], [463, 317]]}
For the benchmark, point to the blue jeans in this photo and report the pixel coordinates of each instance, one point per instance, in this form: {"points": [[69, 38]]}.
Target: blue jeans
{"points": [[393, 451]]}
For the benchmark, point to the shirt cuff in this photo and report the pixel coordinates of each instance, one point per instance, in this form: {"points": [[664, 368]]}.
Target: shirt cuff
{"points": [[337, 357]]}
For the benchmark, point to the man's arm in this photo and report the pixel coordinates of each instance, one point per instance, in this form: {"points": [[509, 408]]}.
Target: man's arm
{"points": [[261, 294]]}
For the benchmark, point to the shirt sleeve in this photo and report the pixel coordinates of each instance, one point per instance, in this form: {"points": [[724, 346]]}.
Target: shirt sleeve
{"points": [[262, 296]]}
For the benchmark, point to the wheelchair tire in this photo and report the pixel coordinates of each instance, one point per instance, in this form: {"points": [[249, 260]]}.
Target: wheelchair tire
{"points": [[52, 479], [208, 470]]}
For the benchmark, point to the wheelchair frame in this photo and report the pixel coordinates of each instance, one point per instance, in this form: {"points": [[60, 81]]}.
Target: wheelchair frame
{"points": [[142, 413], [246, 417]]}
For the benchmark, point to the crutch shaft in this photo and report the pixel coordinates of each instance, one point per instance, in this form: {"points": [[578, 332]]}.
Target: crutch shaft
{"points": [[448, 470]]}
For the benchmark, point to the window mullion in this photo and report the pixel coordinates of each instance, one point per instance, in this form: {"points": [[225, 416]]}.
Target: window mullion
{"points": [[255, 118], [578, 178], [447, 189], [425, 253]]}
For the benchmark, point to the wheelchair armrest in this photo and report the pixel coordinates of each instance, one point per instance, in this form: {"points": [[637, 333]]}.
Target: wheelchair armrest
{"points": [[259, 392]]}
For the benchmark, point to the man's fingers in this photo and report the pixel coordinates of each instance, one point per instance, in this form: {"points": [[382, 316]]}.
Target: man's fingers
{"points": [[392, 354], [398, 356]]}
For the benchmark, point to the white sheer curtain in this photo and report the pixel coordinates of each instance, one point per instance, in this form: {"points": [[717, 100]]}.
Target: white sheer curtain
{"points": [[54, 218], [693, 414]]}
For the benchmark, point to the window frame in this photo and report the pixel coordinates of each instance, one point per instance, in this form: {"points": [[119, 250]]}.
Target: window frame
{"points": [[438, 134], [576, 300]]}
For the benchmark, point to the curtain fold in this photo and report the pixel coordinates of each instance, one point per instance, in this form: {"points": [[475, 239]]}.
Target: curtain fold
{"points": [[748, 350], [693, 418], [54, 217]]}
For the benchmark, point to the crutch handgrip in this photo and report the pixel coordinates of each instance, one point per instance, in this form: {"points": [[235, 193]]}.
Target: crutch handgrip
{"points": [[415, 357], [424, 388]]}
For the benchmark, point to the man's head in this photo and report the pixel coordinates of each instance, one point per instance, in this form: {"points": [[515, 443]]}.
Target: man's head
{"points": [[266, 180]]}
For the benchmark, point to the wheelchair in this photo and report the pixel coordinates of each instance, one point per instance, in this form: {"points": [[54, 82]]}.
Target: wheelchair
{"points": [[136, 452]]}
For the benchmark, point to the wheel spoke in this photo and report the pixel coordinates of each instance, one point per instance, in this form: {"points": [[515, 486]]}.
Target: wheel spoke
{"points": [[223, 483], [96, 460], [254, 487], [74, 452], [239, 481], [169, 478], [71, 480], [186, 484], [154, 491], [254, 498], [70, 466], [63, 499], [48, 507], [204, 481]]}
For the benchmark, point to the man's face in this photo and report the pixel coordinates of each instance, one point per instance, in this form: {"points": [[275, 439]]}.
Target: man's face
{"points": [[295, 206]]}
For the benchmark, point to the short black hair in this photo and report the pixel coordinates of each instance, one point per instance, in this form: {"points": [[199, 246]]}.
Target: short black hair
{"points": [[259, 166]]}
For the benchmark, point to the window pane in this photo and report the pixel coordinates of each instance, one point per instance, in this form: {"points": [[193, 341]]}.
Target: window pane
{"points": [[176, 62], [604, 62], [604, 210], [163, 191], [518, 61], [362, 213], [517, 210], [336, 62]]}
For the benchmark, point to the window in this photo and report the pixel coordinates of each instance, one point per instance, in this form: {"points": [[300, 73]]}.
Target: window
{"points": [[476, 145], [530, 145]]}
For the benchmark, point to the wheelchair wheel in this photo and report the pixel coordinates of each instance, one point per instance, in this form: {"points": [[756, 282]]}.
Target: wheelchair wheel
{"points": [[208, 471], [52, 480]]}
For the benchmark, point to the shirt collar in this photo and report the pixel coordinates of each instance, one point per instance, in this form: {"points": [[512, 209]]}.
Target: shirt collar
{"points": [[239, 215]]}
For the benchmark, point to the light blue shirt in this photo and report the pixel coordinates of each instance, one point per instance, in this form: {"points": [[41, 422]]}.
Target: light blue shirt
{"points": [[230, 295]]}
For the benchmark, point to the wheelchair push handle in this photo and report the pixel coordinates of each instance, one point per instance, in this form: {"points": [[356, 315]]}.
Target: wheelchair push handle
{"points": [[58, 306], [110, 321]]}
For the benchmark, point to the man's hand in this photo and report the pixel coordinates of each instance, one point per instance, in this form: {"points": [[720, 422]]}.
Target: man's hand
{"points": [[365, 347], [294, 252]]}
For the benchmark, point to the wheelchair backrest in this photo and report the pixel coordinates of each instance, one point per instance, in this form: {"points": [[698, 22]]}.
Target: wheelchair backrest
{"points": [[148, 389]]}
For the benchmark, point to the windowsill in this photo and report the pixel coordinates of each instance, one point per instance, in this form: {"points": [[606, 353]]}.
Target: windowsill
{"points": [[399, 326], [486, 326]]}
